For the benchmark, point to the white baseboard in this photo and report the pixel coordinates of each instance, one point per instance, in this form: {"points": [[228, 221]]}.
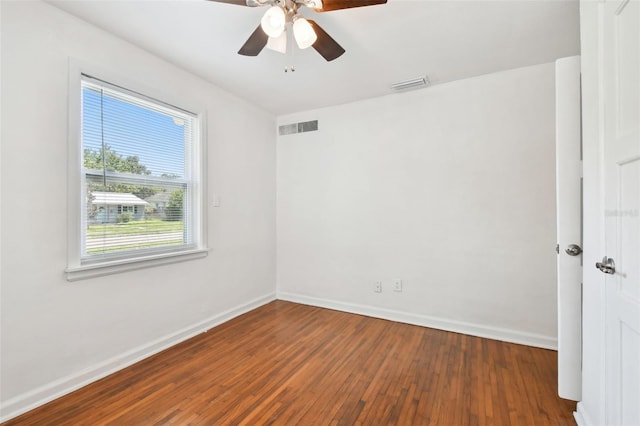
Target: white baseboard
{"points": [[503, 334], [582, 419], [29, 400]]}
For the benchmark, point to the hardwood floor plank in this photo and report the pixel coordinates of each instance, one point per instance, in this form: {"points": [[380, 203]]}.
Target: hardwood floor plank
{"points": [[289, 364]]}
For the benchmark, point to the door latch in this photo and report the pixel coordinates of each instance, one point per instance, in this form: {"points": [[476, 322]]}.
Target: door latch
{"points": [[573, 250], [608, 266]]}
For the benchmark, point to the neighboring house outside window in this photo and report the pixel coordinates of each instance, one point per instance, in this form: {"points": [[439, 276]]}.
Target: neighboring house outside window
{"points": [[111, 205], [158, 203]]}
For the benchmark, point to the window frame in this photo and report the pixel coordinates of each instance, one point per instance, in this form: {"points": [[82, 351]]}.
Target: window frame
{"points": [[77, 268]]}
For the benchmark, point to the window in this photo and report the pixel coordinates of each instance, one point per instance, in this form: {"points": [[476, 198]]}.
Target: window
{"points": [[134, 151], [127, 209]]}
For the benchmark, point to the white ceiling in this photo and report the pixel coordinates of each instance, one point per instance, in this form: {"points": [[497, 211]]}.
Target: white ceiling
{"points": [[404, 39]]}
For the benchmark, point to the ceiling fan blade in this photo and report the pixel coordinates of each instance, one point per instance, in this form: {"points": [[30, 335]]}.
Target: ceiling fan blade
{"points": [[238, 2], [329, 5], [325, 44], [255, 43]]}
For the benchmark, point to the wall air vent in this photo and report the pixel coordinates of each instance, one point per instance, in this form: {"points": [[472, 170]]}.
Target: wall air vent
{"points": [[305, 126], [416, 83]]}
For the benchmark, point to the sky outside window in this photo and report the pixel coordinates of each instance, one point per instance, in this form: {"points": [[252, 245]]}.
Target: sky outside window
{"points": [[157, 139]]}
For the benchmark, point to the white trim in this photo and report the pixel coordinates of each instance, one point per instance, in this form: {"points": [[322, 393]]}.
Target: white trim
{"points": [[74, 163], [582, 419], [29, 400], [123, 265], [503, 334]]}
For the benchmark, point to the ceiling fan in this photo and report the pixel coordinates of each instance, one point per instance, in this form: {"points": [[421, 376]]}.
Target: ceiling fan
{"points": [[272, 31]]}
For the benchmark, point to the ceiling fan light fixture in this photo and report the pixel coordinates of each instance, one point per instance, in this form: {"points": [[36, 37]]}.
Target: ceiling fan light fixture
{"points": [[273, 21], [303, 32]]}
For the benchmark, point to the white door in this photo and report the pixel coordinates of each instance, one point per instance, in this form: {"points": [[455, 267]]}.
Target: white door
{"points": [[620, 85], [569, 227]]}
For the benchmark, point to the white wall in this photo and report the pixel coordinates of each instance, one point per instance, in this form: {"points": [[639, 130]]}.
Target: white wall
{"points": [[449, 188], [56, 334]]}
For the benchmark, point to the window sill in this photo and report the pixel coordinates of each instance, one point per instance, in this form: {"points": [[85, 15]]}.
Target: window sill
{"points": [[77, 273]]}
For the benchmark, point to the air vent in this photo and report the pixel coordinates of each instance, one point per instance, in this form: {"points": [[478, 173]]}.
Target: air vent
{"points": [[288, 129], [410, 84], [302, 127], [308, 126]]}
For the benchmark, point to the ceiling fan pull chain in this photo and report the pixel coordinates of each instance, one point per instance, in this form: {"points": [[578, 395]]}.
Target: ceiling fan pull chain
{"points": [[293, 52], [290, 53]]}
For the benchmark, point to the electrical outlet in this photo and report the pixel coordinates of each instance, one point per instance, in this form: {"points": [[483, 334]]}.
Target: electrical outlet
{"points": [[377, 287], [397, 285]]}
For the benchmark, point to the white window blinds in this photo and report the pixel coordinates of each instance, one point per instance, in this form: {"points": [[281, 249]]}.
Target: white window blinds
{"points": [[140, 175]]}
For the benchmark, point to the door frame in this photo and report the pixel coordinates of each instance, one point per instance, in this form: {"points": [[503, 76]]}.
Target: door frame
{"points": [[591, 408]]}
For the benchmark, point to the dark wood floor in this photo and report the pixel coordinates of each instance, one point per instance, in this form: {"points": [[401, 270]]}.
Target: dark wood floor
{"points": [[290, 364]]}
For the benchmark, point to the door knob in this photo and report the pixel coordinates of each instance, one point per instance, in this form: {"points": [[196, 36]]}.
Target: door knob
{"points": [[608, 266], [573, 250]]}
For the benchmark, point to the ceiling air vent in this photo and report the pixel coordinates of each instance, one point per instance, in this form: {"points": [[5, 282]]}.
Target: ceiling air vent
{"points": [[305, 126], [410, 84]]}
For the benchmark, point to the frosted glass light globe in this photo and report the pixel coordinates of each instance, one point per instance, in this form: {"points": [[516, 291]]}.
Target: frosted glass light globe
{"points": [[303, 33], [273, 21]]}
